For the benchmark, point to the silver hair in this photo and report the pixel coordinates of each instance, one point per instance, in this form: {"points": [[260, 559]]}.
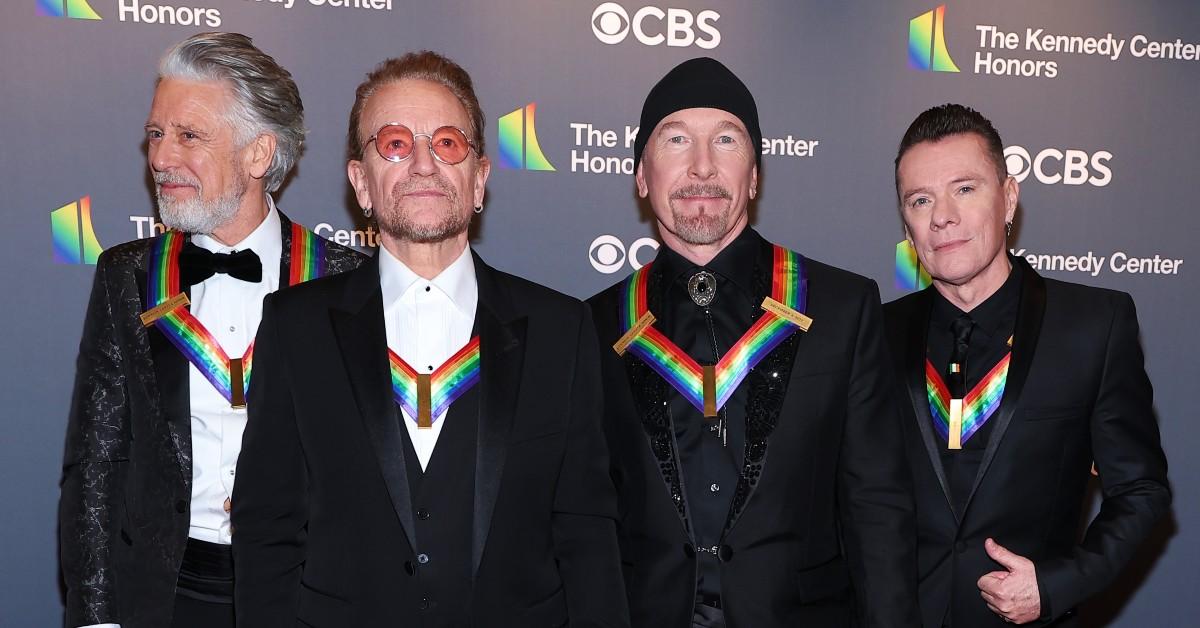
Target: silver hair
{"points": [[265, 98]]}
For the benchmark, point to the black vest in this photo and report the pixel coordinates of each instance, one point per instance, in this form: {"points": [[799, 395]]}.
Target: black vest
{"points": [[443, 497]]}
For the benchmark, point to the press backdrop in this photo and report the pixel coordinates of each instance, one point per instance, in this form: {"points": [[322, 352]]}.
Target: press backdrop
{"points": [[1096, 101]]}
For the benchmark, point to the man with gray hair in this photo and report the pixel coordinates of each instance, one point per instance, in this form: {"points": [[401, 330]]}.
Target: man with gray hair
{"points": [[158, 408]]}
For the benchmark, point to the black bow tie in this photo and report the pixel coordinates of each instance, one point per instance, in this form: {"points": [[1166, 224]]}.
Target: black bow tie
{"points": [[197, 264]]}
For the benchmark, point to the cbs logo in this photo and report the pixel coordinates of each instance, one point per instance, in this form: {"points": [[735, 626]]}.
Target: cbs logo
{"points": [[611, 24], [1051, 166], [608, 253]]}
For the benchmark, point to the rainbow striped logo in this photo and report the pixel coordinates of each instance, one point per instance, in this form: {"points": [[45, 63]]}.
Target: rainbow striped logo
{"points": [[73, 235], [909, 273], [519, 148], [927, 42], [74, 9]]}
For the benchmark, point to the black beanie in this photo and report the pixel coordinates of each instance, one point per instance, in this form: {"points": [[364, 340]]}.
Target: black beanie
{"points": [[699, 82]]}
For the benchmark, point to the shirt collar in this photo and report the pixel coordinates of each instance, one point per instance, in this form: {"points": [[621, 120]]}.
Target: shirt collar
{"points": [[456, 281], [734, 263], [266, 240], [997, 313]]}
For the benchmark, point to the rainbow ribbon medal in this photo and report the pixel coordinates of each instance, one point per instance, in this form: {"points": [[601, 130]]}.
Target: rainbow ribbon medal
{"points": [[957, 420], [168, 311], [425, 397], [709, 387]]}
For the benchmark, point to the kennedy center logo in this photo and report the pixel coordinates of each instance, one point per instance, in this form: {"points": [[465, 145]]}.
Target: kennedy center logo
{"points": [[519, 147], [909, 273], [74, 9], [74, 237], [927, 42]]}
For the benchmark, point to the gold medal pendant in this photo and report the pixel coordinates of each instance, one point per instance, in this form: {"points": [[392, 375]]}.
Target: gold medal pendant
{"points": [[954, 440]]}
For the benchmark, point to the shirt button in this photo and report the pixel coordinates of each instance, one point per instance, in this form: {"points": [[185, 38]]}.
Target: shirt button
{"points": [[716, 488], [426, 288], [232, 328], [422, 514], [430, 367], [424, 605], [423, 558]]}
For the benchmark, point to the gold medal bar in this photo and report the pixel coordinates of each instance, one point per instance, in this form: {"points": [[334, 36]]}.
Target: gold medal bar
{"points": [[424, 402], [628, 337], [787, 313], [710, 391], [955, 437], [237, 385], [162, 309]]}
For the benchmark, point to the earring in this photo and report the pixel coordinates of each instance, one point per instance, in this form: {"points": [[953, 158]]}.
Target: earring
{"points": [[1007, 229], [367, 211], [479, 209]]}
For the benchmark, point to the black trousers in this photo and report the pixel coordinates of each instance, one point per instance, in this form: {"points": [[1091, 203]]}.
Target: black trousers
{"points": [[204, 595]]}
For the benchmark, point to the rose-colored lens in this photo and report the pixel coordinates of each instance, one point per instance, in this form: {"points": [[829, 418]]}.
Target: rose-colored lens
{"points": [[450, 145], [394, 142]]}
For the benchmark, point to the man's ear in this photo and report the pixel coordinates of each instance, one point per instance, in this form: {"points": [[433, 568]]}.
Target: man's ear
{"points": [[259, 155], [358, 181]]}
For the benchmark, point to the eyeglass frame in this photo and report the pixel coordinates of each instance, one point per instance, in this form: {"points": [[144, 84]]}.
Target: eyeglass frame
{"points": [[428, 143]]}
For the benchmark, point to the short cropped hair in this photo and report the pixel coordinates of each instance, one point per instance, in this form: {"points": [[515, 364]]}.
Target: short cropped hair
{"points": [[950, 119], [265, 98], [425, 65]]}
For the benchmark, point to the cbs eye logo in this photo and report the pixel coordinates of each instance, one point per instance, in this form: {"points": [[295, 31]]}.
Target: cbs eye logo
{"points": [[608, 253], [653, 26], [1053, 166]]}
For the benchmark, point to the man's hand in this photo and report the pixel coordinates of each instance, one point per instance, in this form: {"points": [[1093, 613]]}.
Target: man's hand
{"points": [[1013, 593]]}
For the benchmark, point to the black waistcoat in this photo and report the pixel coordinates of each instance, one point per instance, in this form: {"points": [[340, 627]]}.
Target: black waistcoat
{"points": [[439, 571]]}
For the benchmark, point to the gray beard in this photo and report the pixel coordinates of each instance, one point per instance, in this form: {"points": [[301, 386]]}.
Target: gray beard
{"points": [[704, 229], [396, 223], [196, 215]]}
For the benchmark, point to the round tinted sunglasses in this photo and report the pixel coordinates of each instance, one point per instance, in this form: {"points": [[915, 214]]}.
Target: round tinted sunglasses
{"points": [[396, 142]]}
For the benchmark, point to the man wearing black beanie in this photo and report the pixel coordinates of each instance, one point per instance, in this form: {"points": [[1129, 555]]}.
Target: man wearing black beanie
{"points": [[753, 442]]}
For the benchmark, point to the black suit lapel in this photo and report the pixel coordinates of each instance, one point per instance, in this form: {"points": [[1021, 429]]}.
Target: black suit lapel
{"points": [[912, 368], [768, 382], [171, 383], [1025, 339], [359, 327], [502, 354], [649, 393], [285, 256]]}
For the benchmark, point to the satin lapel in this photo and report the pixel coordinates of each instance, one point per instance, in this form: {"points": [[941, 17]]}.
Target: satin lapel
{"points": [[285, 257], [649, 393], [502, 355], [768, 383], [171, 384], [912, 368], [361, 336], [1025, 338]]}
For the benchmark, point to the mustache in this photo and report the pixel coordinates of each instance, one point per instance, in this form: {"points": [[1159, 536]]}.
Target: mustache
{"points": [[702, 189], [433, 182], [174, 177]]}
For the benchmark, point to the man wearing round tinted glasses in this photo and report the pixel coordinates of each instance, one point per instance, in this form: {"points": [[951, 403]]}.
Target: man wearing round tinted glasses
{"points": [[426, 442]]}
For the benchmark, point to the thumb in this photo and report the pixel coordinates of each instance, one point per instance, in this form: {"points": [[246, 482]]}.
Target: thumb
{"points": [[1000, 554]]}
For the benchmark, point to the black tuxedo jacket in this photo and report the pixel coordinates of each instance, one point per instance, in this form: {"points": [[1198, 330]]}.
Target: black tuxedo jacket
{"points": [[823, 510], [127, 472], [1076, 392], [322, 510]]}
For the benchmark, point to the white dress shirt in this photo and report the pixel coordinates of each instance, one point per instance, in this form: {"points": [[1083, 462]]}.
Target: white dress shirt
{"points": [[230, 309], [427, 322]]}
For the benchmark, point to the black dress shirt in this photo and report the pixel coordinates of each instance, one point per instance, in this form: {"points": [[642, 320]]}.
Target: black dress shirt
{"points": [[710, 461], [994, 320]]}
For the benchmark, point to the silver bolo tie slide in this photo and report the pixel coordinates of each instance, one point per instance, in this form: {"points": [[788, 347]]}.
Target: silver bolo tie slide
{"points": [[702, 288]]}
